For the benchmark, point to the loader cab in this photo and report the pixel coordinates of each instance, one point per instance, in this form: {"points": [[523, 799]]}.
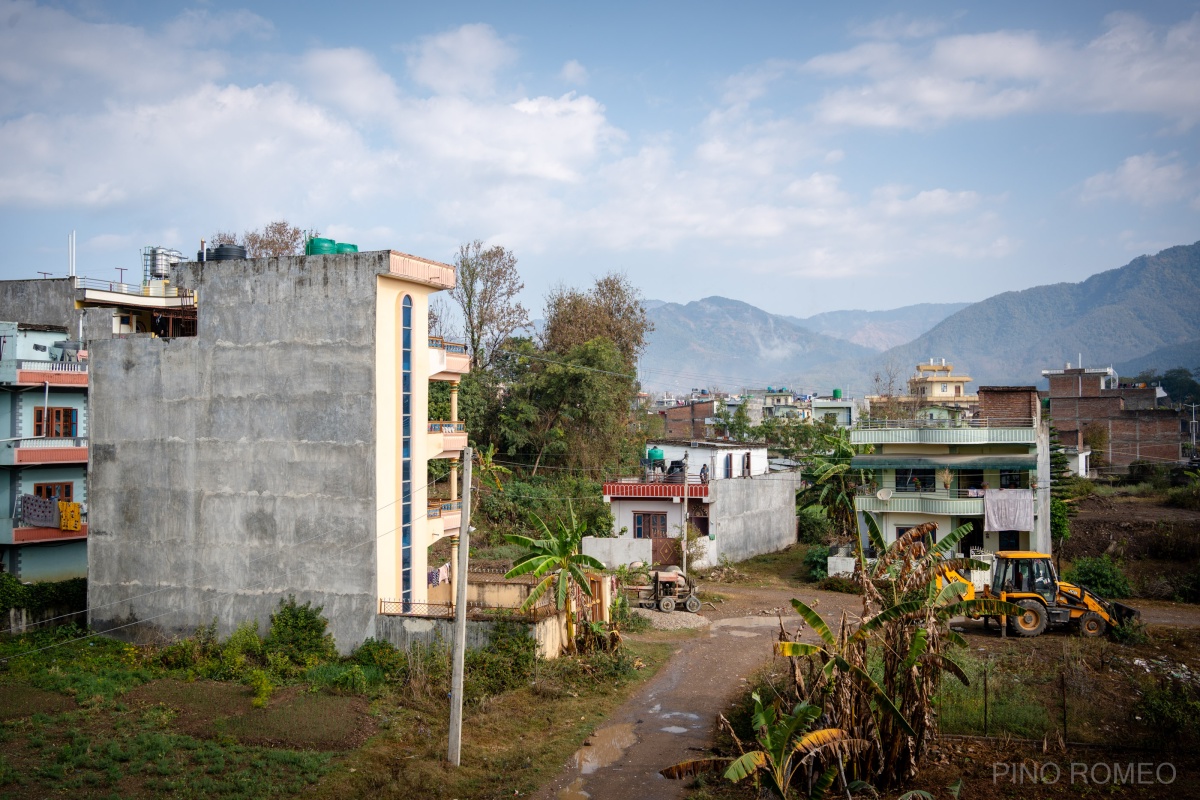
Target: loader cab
{"points": [[1021, 572]]}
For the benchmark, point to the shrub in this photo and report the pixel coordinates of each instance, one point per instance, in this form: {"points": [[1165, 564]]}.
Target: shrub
{"points": [[812, 526], [383, 656], [1101, 574], [260, 681], [816, 561], [1131, 632], [298, 634], [68, 595], [506, 663], [839, 583], [1171, 708]]}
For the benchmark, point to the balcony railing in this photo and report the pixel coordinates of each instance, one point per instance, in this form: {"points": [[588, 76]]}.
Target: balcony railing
{"points": [[451, 505], [930, 492], [938, 424], [475, 610], [54, 366], [447, 427], [48, 442], [670, 486], [439, 343]]}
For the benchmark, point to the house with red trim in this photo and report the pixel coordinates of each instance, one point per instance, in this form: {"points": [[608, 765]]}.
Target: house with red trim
{"points": [[725, 492]]}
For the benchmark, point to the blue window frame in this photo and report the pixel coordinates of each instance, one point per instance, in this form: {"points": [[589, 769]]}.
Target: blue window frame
{"points": [[406, 566]]}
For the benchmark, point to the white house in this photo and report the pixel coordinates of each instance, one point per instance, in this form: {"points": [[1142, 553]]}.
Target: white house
{"points": [[725, 491]]}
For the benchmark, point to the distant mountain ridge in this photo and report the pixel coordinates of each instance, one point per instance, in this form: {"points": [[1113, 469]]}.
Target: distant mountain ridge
{"points": [[1148, 308], [1113, 316], [880, 330], [728, 344]]}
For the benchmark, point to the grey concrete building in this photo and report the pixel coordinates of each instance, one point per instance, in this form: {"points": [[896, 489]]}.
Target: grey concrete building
{"points": [[280, 451]]}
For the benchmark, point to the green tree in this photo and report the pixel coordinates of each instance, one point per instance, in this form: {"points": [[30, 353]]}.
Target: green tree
{"points": [[574, 407], [736, 425], [1060, 467], [556, 559]]}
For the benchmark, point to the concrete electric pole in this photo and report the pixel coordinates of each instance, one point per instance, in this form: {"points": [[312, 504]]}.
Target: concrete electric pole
{"points": [[460, 616]]}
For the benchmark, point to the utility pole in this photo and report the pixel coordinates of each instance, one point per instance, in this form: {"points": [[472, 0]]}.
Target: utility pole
{"points": [[460, 616], [683, 541], [1193, 407]]}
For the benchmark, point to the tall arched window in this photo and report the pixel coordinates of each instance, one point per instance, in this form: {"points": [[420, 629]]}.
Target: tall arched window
{"points": [[406, 579]]}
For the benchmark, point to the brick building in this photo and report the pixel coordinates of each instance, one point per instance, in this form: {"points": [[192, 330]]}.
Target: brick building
{"points": [[1124, 423], [688, 421]]}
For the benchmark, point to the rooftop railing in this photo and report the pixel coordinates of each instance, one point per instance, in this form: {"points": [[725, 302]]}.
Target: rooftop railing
{"points": [[132, 288], [447, 427]]}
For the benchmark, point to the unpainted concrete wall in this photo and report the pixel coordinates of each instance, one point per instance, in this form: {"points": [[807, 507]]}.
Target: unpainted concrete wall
{"points": [[404, 632], [613, 552], [750, 516], [39, 302], [235, 468]]}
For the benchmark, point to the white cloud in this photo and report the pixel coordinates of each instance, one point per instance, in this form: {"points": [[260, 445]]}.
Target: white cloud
{"points": [[574, 72], [51, 60], [1132, 67], [899, 26], [1146, 179], [351, 80], [462, 61]]}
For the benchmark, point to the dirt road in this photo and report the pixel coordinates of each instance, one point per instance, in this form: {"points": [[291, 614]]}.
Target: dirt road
{"points": [[672, 717]]}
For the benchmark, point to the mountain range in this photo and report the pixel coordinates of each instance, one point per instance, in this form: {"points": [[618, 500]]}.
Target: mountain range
{"points": [[1138, 315]]}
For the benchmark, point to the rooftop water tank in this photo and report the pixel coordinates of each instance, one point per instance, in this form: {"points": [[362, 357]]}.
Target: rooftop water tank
{"points": [[346, 247], [837, 394], [655, 454], [222, 252], [320, 247]]}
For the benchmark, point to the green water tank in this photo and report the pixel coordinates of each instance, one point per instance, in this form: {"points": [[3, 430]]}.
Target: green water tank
{"points": [[655, 454], [320, 247], [346, 247], [837, 394]]}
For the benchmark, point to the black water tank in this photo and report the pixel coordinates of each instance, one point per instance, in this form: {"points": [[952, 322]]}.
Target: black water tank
{"points": [[222, 252]]}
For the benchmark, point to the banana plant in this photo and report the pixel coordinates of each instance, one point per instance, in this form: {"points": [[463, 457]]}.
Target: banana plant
{"points": [[556, 559], [905, 626], [786, 746]]}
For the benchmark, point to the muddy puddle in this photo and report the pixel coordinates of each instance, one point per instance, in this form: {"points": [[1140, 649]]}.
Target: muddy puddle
{"points": [[603, 748]]}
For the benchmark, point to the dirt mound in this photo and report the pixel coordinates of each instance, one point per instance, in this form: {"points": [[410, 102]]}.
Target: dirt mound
{"points": [[1133, 528]]}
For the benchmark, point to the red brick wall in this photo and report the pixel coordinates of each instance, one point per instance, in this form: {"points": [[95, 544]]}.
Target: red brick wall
{"points": [[687, 422], [1009, 402], [1075, 384], [1141, 435]]}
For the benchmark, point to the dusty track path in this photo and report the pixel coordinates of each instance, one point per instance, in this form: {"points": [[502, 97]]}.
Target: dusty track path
{"points": [[672, 718]]}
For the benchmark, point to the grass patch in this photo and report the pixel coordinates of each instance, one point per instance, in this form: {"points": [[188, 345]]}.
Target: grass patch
{"points": [[785, 566], [1012, 707], [512, 743]]}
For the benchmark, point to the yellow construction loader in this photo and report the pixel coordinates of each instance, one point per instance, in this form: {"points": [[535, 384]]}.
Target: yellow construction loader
{"points": [[1028, 580]]}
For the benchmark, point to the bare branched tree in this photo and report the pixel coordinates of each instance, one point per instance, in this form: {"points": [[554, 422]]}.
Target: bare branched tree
{"points": [[612, 308], [486, 290], [279, 238]]}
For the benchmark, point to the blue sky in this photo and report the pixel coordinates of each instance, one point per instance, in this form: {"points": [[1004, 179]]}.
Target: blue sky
{"points": [[800, 157]]}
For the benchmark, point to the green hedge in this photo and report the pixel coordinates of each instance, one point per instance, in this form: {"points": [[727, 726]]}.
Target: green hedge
{"points": [[70, 595]]}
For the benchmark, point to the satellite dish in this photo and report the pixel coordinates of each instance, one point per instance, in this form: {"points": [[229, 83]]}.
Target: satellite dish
{"points": [[884, 494]]}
